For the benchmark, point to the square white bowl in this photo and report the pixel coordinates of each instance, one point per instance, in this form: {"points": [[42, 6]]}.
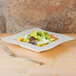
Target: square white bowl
{"points": [[12, 39]]}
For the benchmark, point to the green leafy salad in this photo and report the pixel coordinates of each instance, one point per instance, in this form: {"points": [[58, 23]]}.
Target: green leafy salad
{"points": [[38, 38]]}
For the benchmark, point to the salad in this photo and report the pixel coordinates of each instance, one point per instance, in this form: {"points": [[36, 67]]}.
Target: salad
{"points": [[37, 38]]}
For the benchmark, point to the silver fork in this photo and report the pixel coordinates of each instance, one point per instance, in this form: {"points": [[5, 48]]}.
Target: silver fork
{"points": [[10, 53]]}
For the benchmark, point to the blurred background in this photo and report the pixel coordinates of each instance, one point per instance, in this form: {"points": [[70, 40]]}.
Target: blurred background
{"points": [[52, 15]]}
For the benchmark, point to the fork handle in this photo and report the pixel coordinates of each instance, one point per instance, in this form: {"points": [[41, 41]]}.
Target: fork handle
{"points": [[40, 63]]}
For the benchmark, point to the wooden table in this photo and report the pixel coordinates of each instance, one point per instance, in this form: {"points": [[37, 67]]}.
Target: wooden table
{"points": [[59, 61]]}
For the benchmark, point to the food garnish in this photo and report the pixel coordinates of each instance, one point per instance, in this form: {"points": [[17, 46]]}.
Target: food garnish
{"points": [[38, 38]]}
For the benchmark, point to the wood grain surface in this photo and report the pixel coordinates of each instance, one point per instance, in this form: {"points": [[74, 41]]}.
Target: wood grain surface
{"points": [[59, 61]]}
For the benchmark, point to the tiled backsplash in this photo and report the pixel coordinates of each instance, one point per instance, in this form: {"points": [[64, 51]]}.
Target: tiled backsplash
{"points": [[52, 15]]}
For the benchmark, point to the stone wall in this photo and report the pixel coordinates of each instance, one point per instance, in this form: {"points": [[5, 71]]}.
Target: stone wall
{"points": [[52, 15]]}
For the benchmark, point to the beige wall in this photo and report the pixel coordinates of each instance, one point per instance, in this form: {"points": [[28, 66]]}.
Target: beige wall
{"points": [[52, 15]]}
